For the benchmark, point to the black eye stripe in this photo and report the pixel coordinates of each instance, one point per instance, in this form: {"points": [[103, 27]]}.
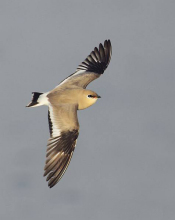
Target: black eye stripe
{"points": [[91, 96]]}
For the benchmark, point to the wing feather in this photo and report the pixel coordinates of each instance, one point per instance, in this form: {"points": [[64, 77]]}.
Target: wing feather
{"points": [[91, 68], [60, 147], [58, 161]]}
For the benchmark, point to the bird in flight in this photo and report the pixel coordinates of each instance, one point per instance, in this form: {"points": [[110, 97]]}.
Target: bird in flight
{"points": [[63, 102]]}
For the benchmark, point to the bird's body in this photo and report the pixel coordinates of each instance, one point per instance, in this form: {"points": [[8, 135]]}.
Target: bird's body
{"points": [[75, 96], [63, 102]]}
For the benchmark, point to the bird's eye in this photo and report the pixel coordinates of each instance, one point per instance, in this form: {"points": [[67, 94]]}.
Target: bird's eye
{"points": [[90, 96]]}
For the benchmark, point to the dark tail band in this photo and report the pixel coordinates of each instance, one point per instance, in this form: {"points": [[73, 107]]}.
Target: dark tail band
{"points": [[35, 97]]}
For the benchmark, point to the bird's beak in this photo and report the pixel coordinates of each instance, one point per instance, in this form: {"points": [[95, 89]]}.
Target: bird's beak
{"points": [[98, 96]]}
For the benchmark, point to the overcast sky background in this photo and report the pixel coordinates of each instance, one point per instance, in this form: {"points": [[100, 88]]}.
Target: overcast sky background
{"points": [[124, 164]]}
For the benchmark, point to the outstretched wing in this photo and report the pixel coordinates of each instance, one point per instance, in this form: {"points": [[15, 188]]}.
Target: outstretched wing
{"points": [[64, 130], [91, 68]]}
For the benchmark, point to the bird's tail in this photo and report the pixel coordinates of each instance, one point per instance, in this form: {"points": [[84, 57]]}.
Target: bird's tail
{"points": [[38, 99]]}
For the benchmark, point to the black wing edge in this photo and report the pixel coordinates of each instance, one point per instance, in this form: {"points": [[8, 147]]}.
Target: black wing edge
{"points": [[98, 60], [50, 123], [55, 167]]}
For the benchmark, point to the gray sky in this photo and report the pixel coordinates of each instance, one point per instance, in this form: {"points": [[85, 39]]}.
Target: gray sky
{"points": [[124, 164]]}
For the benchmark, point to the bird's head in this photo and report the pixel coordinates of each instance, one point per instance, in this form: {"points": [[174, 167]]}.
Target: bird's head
{"points": [[87, 98]]}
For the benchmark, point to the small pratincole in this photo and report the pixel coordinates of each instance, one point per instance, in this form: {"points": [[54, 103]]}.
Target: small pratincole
{"points": [[63, 102]]}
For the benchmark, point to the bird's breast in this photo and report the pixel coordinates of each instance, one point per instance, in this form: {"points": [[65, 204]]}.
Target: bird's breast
{"points": [[86, 102]]}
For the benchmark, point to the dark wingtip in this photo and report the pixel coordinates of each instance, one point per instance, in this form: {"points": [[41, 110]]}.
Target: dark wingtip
{"points": [[55, 167], [99, 59]]}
